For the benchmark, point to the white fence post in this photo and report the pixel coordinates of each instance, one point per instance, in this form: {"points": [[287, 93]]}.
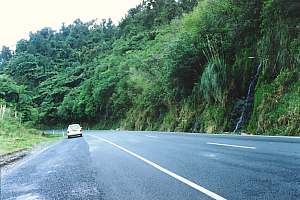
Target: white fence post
{"points": [[2, 111]]}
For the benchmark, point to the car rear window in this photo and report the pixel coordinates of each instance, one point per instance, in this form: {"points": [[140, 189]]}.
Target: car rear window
{"points": [[74, 126]]}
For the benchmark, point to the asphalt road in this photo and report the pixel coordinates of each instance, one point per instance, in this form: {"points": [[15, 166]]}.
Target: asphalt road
{"points": [[147, 165]]}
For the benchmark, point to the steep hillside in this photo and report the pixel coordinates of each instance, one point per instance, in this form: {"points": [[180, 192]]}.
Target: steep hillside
{"points": [[169, 65]]}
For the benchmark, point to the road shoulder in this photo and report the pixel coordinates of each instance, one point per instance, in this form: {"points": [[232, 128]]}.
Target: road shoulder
{"points": [[14, 159]]}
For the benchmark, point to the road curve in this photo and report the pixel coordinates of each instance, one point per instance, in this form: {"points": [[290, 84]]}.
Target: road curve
{"points": [[119, 165]]}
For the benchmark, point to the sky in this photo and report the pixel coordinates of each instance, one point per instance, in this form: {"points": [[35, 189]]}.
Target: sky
{"points": [[19, 17]]}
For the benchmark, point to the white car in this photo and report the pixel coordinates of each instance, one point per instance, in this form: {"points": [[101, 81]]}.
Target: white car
{"points": [[74, 130]]}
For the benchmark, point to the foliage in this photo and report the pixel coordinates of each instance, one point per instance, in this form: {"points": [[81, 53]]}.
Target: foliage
{"points": [[279, 44], [5, 54], [181, 65], [15, 135], [18, 97], [277, 106]]}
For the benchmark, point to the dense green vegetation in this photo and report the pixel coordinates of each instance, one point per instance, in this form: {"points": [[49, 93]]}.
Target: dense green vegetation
{"points": [[15, 135], [168, 65]]}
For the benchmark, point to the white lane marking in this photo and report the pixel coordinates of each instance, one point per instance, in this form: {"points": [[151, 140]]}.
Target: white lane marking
{"points": [[230, 145], [151, 136], [29, 196], [164, 170]]}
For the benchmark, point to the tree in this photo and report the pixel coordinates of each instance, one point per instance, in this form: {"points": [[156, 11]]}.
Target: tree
{"points": [[5, 54]]}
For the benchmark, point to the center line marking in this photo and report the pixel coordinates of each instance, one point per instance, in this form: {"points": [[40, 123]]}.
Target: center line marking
{"points": [[164, 170], [230, 145]]}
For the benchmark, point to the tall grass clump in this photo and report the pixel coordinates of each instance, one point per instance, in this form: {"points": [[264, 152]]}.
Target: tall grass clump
{"points": [[280, 41], [212, 84]]}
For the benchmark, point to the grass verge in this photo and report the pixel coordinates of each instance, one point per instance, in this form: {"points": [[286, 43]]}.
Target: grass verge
{"points": [[14, 137]]}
